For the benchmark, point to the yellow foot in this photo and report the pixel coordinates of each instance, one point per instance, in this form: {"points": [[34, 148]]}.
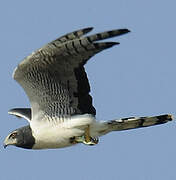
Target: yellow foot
{"points": [[86, 138], [81, 139]]}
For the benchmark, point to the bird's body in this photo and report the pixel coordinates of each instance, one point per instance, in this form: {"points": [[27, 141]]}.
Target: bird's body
{"points": [[60, 132], [62, 113]]}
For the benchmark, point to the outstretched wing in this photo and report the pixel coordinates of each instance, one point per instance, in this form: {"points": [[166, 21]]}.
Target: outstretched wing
{"points": [[21, 113], [54, 77]]}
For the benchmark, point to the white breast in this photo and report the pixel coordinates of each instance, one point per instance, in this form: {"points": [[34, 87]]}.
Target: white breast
{"points": [[57, 134]]}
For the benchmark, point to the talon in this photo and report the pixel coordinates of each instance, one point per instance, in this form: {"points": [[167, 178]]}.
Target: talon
{"points": [[86, 138], [93, 141]]}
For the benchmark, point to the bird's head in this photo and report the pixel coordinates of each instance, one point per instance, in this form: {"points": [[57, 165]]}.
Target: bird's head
{"points": [[14, 138], [21, 137]]}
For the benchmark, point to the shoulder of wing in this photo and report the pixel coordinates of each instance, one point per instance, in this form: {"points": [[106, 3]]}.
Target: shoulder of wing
{"points": [[21, 113]]}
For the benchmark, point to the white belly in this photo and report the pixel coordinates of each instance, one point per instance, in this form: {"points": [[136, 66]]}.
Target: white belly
{"points": [[55, 138], [53, 134]]}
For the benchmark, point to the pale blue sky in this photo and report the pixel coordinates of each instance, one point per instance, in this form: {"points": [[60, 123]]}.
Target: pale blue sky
{"points": [[137, 78]]}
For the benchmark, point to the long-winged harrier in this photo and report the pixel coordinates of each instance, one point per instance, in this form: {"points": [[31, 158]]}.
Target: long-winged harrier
{"points": [[56, 83]]}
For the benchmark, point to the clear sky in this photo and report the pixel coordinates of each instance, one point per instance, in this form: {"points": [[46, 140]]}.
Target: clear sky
{"points": [[136, 78]]}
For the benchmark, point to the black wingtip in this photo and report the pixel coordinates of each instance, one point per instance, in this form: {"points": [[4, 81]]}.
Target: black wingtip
{"points": [[88, 29], [124, 31], [111, 44], [105, 45]]}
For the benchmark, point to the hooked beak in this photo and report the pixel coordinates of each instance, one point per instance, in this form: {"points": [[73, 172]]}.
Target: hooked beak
{"points": [[7, 142]]}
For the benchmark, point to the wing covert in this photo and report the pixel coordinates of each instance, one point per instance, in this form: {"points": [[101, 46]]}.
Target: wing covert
{"points": [[54, 77]]}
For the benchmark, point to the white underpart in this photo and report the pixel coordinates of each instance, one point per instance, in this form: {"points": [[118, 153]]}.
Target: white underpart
{"points": [[57, 134]]}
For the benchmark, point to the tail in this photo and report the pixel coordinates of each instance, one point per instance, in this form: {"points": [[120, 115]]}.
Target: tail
{"points": [[135, 122]]}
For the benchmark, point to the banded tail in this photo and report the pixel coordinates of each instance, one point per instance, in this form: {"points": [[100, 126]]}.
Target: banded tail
{"points": [[136, 122]]}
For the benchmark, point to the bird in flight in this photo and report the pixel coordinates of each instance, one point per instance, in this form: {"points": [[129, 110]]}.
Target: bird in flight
{"points": [[62, 113]]}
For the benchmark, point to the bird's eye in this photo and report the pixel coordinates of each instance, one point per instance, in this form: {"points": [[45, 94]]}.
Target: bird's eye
{"points": [[13, 135]]}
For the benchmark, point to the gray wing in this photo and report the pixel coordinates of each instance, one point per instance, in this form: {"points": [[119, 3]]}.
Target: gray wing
{"points": [[21, 113], [54, 77]]}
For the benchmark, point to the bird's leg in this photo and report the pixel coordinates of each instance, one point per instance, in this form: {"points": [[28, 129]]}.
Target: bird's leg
{"points": [[87, 135], [86, 138]]}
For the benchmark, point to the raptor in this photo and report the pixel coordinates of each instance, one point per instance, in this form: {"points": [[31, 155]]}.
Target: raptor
{"points": [[62, 113]]}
